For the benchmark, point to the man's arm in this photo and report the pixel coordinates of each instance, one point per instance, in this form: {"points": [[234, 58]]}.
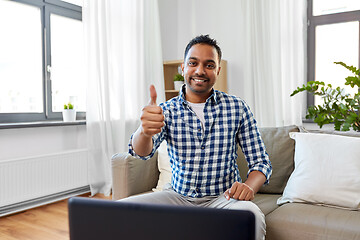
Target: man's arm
{"points": [[141, 143], [259, 163], [152, 120]]}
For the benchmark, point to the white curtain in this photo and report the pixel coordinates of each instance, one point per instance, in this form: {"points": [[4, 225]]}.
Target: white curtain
{"points": [[123, 54], [275, 59]]}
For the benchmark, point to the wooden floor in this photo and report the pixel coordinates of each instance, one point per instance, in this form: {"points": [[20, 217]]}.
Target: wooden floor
{"points": [[49, 222]]}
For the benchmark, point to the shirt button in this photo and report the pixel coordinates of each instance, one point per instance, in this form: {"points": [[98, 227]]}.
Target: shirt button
{"points": [[199, 129], [197, 190], [200, 169], [202, 148]]}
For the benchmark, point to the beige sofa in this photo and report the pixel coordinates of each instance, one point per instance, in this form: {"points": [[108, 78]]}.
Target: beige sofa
{"points": [[289, 221]]}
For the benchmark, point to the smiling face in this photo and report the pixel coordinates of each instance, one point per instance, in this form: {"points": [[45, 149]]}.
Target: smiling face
{"points": [[201, 69]]}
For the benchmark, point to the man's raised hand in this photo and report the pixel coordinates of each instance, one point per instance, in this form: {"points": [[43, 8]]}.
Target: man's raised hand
{"points": [[152, 118]]}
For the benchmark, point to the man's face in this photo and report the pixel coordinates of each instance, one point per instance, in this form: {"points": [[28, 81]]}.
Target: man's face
{"points": [[200, 69]]}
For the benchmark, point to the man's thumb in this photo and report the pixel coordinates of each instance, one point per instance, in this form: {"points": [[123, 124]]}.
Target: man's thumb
{"points": [[153, 95]]}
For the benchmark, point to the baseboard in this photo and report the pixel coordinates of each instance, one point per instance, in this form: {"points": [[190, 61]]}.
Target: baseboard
{"points": [[22, 206]]}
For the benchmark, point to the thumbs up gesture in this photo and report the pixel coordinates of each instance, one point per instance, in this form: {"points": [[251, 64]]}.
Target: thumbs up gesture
{"points": [[152, 118]]}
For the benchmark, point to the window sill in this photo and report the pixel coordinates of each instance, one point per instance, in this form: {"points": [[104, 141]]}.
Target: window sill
{"points": [[41, 124], [307, 120]]}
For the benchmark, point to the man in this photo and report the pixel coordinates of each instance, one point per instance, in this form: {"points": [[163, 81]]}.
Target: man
{"points": [[202, 127]]}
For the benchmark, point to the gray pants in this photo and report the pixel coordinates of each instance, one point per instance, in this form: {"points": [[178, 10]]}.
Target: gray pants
{"points": [[169, 196]]}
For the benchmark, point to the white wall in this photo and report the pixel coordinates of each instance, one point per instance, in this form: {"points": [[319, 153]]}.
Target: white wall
{"points": [[168, 27], [26, 142]]}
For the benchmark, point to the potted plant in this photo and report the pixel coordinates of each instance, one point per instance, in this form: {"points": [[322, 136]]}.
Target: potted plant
{"points": [[69, 113], [178, 81], [339, 108]]}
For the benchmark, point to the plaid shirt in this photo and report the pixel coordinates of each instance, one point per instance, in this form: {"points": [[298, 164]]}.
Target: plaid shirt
{"points": [[203, 161]]}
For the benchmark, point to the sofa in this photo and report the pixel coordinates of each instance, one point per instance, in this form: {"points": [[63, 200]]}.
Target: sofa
{"points": [[291, 212]]}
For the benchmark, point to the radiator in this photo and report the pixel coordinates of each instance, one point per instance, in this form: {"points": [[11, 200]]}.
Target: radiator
{"points": [[25, 179]]}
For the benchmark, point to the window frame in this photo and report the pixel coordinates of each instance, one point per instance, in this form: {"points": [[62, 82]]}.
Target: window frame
{"points": [[313, 22], [46, 7]]}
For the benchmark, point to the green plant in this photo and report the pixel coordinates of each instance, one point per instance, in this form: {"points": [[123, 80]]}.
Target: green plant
{"points": [[338, 107], [68, 106], [178, 77]]}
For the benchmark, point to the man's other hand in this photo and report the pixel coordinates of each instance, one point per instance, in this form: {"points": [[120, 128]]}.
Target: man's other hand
{"points": [[240, 191]]}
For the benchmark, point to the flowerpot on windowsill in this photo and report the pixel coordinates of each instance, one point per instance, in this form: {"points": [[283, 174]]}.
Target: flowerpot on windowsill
{"points": [[69, 115], [178, 85]]}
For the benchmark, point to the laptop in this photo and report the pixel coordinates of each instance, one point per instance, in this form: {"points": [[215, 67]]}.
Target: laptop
{"points": [[106, 219]]}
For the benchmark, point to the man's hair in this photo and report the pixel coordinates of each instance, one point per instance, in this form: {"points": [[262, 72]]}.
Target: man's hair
{"points": [[203, 39]]}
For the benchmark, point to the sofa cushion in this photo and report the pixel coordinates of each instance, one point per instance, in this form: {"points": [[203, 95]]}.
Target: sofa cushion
{"points": [[163, 166], [266, 202], [297, 221], [327, 170], [131, 175], [280, 148]]}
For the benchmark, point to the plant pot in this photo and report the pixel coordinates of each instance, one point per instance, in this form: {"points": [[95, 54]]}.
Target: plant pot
{"points": [[178, 85], [69, 115]]}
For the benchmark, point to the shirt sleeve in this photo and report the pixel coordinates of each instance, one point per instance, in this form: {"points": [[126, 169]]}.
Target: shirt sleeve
{"points": [[252, 145], [157, 139]]}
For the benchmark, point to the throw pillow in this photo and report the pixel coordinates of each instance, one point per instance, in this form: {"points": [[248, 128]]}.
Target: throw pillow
{"points": [[163, 166], [327, 171]]}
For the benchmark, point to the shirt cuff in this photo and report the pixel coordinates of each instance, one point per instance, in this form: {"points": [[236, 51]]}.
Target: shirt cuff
{"points": [[265, 169], [133, 153]]}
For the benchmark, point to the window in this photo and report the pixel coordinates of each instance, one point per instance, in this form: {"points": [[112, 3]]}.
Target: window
{"points": [[333, 36], [41, 60]]}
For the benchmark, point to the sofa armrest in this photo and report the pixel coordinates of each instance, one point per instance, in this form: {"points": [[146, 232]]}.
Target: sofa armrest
{"points": [[132, 176]]}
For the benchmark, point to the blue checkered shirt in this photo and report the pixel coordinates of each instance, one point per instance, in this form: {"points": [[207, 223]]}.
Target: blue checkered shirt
{"points": [[203, 160]]}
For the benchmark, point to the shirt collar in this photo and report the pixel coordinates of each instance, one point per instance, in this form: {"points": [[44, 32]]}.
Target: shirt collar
{"points": [[214, 97]]}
